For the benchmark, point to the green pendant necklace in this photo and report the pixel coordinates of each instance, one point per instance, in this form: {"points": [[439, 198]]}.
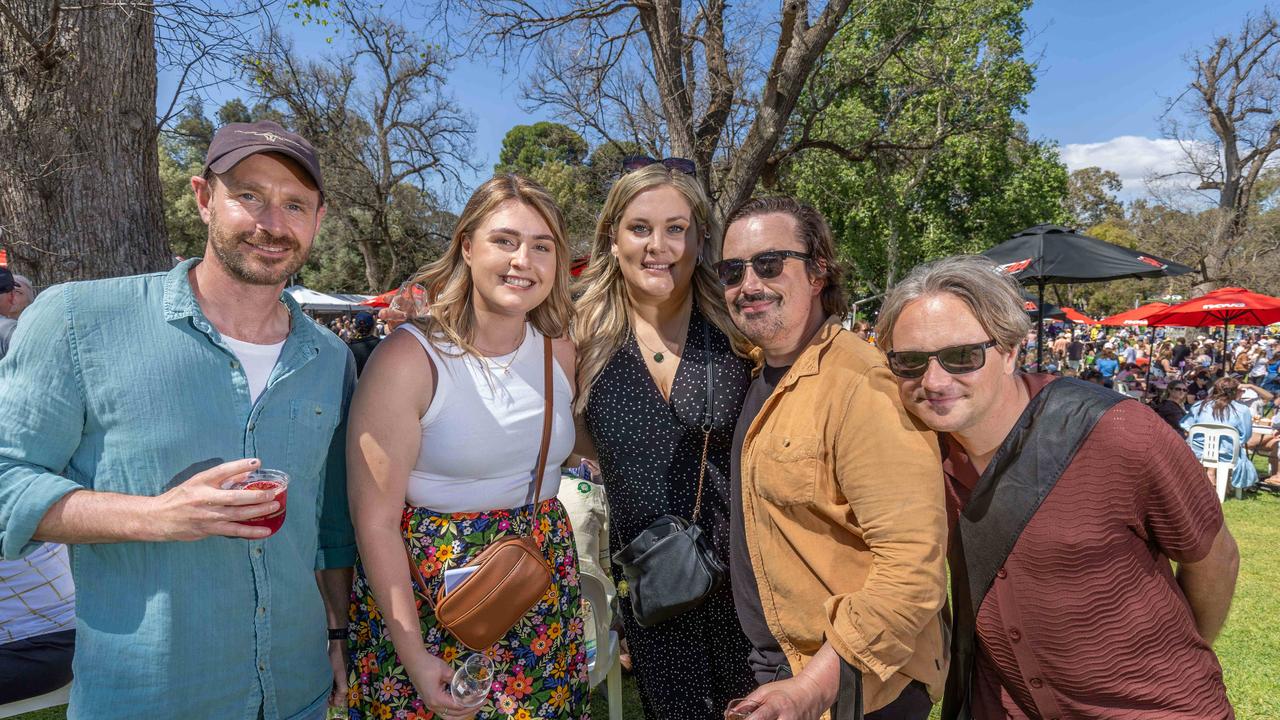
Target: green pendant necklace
{"points": [[658, 355]]}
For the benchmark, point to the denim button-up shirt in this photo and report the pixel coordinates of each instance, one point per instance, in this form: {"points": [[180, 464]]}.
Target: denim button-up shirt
{"points": [[123, 385]]}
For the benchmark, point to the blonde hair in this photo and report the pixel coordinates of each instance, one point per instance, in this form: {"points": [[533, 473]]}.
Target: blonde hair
{"points": [[448, 282], [993, 297], [603, 320]]}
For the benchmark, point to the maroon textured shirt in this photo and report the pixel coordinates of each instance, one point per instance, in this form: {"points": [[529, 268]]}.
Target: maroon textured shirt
{"points": [[1085, 618]]}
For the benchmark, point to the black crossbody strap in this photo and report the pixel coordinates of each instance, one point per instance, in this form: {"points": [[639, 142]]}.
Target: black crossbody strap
{"points": [[1021, 474]]}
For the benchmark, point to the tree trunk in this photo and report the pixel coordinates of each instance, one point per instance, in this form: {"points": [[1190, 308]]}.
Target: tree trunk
{"points": [[80, 190], [372, 265]]}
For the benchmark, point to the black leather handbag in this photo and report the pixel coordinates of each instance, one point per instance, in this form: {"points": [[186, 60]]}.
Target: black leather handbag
{"points": [[670, 567]]}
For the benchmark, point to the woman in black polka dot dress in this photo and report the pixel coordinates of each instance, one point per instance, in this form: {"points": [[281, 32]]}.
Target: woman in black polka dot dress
{"points": [[646, 296]]}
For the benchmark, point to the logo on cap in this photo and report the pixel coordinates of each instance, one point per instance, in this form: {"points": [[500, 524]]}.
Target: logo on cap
{"points": [[268, 136]]}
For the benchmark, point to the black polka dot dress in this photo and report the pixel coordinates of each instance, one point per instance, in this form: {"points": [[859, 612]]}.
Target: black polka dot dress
{"points": [[691, 666]]}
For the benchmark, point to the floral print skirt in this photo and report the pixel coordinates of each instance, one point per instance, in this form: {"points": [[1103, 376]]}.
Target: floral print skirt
{"points": [[541, 663]]}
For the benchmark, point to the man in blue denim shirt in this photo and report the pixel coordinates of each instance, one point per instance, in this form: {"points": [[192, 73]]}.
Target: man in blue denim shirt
{"points": [[130, 402]]}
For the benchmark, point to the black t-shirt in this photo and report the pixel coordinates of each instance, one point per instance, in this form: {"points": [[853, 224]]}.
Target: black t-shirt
{"points": [[362, 348], [1075, 350], [766, 655], [1180, 353]]}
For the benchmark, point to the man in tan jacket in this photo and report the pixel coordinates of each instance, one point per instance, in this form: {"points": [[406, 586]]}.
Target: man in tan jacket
{"points": [[838, 540]]}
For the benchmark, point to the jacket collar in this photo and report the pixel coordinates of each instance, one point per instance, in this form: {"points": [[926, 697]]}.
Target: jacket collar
{"points": [[809, 362]]}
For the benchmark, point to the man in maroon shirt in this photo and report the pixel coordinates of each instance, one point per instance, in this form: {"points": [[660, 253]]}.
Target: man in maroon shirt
{"points": [[1066, 503]]}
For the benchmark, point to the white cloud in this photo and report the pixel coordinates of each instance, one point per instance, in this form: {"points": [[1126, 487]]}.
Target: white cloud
{"points": [[1132, 157]]}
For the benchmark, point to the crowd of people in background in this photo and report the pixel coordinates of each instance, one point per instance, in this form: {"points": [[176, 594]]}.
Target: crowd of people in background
{"points": [[1186, 376]]}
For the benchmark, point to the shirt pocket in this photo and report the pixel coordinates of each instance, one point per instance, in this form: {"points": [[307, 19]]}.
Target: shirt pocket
{"points": [[789, 469], [311, 426]]}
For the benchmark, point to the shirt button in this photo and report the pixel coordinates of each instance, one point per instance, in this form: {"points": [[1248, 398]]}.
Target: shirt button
{"points": [[257, 551], [1001, 573], [234, 364], [251, 426], [262, 611], [262, 667], [1037, 683], [1014, 635]]}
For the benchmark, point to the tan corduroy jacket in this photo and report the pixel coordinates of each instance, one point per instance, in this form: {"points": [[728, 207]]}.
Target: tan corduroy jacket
{"points": [[845, 521]]}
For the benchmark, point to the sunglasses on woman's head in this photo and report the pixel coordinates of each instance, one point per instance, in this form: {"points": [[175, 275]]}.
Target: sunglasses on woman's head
{"points": [[766, 265], [956, 360], [631, 163]]}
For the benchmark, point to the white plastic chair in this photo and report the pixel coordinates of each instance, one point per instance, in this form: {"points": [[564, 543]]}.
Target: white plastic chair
{"points": [[52, 699], [1217, 456], [605, 665]]}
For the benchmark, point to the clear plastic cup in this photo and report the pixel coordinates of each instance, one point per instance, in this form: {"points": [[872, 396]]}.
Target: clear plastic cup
{"points": [[740, 709], [264, 479]]}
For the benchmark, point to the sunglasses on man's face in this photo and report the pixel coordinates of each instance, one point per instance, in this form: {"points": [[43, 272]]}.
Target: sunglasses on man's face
{"points": [[766, 265], [631, 163], [957, 359]]}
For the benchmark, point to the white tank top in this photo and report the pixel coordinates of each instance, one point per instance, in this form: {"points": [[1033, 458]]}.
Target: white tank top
{"points": [[481, 433]]}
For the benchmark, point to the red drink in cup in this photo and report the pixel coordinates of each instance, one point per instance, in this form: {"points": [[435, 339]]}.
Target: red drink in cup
{"points": [[266, 480]]}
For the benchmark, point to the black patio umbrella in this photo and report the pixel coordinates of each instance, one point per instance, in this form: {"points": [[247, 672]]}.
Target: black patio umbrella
{"points": [[1047, 254]]}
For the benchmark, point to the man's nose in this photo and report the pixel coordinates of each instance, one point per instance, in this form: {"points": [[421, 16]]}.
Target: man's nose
{"points": [[751, 282], [272, 219], [935, 376]]}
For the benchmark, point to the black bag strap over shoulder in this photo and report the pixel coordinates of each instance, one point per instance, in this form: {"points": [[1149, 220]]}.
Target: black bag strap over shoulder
{"points": [[1020, 476]]}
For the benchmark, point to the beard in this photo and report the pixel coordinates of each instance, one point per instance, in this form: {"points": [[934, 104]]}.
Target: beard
{"points": [[762, 327], [248, 267]]}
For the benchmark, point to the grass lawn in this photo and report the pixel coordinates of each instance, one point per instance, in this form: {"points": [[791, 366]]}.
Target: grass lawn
{"points": [[1249, 647]]}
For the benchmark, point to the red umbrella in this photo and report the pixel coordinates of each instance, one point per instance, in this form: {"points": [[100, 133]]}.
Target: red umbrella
{"points": [[1078, 317], [1135, 317], [1223, 306]]}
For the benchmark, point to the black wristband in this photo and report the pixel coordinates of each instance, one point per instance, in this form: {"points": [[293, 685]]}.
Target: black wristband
{"points": [[337, 633]]}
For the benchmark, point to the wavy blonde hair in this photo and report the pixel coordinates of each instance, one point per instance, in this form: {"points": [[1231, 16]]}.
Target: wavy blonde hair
{"points": [[448, 282], [603, 320]]}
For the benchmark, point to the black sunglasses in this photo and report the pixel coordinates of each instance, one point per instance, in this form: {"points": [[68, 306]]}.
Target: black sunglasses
{"points": [[957, 359], [631, 163], [767, 264]]}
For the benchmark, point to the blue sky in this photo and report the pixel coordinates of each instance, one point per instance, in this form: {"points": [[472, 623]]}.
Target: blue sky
{"points": [[1105, 67]]}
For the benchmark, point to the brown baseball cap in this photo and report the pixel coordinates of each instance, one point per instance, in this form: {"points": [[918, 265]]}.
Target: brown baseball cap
{"points": [[236, 141]]}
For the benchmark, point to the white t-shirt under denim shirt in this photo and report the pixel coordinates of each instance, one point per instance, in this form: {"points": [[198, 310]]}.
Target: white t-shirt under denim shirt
{"points": [[257, 360], [481, 434]]}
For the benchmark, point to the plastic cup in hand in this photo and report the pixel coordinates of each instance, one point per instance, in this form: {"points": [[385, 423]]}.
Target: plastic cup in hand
{"points": [[277, 480], [740, 709], [410, 299], [472, 682]]}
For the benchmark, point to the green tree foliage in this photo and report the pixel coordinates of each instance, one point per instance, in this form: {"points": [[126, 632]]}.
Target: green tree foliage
{"points": [[530, 146], [920, 156], [556, 157], [1091, 198]]}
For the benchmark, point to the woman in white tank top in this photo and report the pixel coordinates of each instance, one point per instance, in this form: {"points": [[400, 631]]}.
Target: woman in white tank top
{"points": [[443, 440]]}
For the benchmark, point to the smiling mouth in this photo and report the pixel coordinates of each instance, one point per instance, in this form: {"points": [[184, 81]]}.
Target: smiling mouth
{"points": [[657, 267], [269, 249], [517, 282]]}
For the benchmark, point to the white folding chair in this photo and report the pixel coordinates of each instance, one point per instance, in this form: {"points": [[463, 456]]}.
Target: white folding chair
{"points": [[1217, 455], [605, 665], [52, 699]]}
